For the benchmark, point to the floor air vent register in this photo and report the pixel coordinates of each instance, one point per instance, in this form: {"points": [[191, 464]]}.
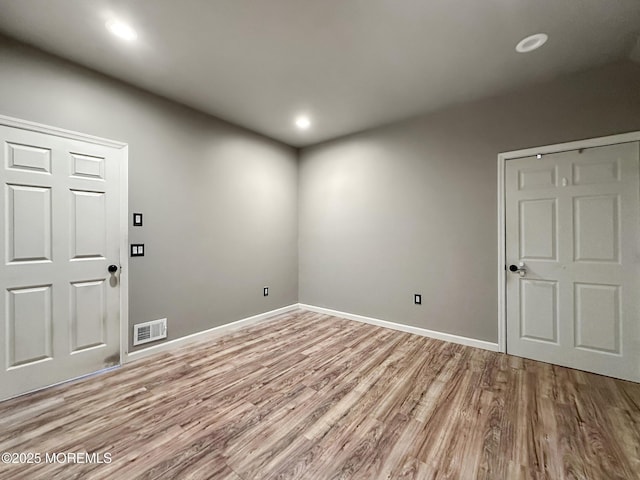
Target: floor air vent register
{"points": [[149, 331]]}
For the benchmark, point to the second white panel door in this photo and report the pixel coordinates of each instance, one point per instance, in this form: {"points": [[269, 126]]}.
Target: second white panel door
{"points": [[59, 233], [572, 221]]}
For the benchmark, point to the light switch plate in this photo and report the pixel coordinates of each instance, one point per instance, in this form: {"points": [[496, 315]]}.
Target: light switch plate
{"points": [[137, 249]]}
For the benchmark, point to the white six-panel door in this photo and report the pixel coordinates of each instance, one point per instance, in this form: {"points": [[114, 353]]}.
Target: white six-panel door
{"points": [[58, 235], [572, 219]]}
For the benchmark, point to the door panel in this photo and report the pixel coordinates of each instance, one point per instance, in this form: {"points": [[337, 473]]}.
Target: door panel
{"points": [[28, 157], [29, 223], [88, 314], [538, 229], [596, 228], [537, 178], [88, 225], [59, 232], [87, 166], [573, 219], [597, 317], [593, 171], [539, 310], [29, 331]]}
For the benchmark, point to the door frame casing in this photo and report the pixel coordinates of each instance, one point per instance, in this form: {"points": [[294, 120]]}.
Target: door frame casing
{"points": [[123, 158], [502, 234]]}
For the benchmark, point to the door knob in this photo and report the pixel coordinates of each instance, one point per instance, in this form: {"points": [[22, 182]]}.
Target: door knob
{"points": [[520, 268], [112, 268]]}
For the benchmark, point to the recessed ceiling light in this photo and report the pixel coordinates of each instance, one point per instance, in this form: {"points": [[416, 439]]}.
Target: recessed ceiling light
{"points": [[303, 122], [532, 42], [121, 30]]}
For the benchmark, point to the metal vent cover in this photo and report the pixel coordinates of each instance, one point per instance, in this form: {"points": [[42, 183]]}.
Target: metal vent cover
{"points": [[149, 331]]}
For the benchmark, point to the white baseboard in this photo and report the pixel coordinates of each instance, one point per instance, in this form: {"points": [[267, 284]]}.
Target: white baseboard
{"points": [[447, 337], [171, 344]]}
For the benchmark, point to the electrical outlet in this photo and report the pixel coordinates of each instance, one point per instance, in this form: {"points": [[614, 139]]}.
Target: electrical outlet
{"points": [[265, 291], [417, 298]]}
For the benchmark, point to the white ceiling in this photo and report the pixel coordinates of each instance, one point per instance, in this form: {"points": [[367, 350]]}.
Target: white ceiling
{"points": [[349, 64]]}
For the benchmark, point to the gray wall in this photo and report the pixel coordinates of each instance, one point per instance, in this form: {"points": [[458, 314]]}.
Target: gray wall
{"points": [[411, 208], [219, 202], [383, 214]]}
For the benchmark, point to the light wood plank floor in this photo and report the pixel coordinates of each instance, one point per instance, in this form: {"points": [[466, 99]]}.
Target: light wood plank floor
{"points": [[316, 397]]}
